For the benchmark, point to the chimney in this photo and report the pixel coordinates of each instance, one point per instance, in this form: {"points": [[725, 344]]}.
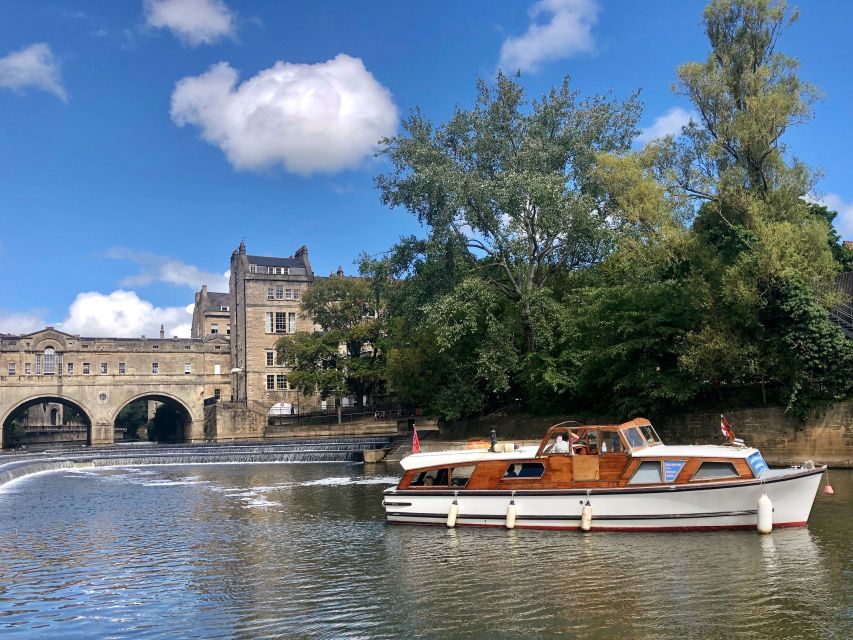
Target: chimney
{"points": [[242, 247], [162, 332], [203, 289]]}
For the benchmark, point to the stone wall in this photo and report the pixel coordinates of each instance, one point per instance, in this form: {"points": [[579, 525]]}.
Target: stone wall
{"points": [[826, 437]]}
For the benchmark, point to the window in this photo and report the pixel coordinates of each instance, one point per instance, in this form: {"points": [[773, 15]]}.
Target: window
{"points": [[524, 470], [647, 473], [228, 329], [217, 348], [291, 322], [269, 319], [430, 478], [279, 293], [270, 383], [270, 293], [281, 381], [280, 322], [214, 328], [634, 438], [70, 368], [121, 368], [611, 442], [85, 368], [650, 435], [155, 347], [253, 268], [217, 369], [28, 368], [459, 476], [39, 363], [270, 358], [186, 347], [155, 367], [291, 294], [11, 368], [104, 368], [217, 394], [188, 367], [715, 470], [223, 308]]}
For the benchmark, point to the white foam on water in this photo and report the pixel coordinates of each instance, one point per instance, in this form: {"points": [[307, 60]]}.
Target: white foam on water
{"points": [[330, 482], [260, 502]]}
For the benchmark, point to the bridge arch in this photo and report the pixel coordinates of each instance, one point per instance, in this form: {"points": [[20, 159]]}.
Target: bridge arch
{"points": [[185, 413], [43, 398]]}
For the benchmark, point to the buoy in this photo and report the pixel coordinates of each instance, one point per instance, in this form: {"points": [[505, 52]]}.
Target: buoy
{"points": [[586, 516], [827, 489], [452, 514], [510, 514], [765, 514]]}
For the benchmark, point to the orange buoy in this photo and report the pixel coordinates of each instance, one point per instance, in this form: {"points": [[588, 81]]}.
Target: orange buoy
{"points": [[827, 489]]}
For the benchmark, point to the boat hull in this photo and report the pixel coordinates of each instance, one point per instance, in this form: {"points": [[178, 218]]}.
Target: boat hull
{"points": [[709, 506]]}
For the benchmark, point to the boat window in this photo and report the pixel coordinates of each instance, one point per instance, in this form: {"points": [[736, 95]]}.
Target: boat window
{"points": [[649, 434], [611, 442], [459, 476], [524, 470], [634, 437], [712, 470], [647, 473], [430, 478]]}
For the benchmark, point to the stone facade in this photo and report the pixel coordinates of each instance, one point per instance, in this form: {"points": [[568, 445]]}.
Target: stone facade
{"points": [[100, 376], [265, 294], [211, 314]]}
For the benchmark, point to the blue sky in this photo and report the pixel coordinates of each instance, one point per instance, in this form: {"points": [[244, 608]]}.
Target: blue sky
{"points": [[141, 140]]}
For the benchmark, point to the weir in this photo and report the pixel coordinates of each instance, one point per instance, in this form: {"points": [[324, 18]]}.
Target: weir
{"points": [[338, 450]]}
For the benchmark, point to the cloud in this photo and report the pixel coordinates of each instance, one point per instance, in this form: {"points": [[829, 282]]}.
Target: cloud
{"points": [[309, 118], [21, 322], [33, 67], [156, 268], [567, 31], [195, 22], [123, 314], [844, 221], [669, 124]]}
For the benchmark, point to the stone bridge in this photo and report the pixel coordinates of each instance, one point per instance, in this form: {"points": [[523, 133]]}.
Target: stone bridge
{"points": [[100, 376]]}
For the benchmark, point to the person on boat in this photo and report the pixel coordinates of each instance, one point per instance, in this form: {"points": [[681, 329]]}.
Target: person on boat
{"points": [[561, 446]]}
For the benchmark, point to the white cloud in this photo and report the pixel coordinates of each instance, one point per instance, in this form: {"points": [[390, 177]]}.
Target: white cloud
{"points": [[123, 314], [33, 67], [309, 118], [156, 268], [193, 21], [21, 322], [844, 221], [567, 31], [670, 123]]}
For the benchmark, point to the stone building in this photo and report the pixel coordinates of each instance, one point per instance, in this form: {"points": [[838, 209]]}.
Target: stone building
{"points": [[264, 301], [211, 314]]}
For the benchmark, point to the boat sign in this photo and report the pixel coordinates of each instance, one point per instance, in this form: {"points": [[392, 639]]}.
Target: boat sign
{"points": [[757, 464], [671, 469]]}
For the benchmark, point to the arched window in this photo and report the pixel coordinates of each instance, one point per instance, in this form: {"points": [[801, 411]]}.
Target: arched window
{"points": [[49, 361]]}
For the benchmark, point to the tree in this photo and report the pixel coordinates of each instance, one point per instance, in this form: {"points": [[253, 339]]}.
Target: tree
{"points": [[132, 417], [347, 356]]}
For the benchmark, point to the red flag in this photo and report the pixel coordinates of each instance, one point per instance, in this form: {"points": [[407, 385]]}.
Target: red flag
{"points": [[416, 444], [726, 428]]}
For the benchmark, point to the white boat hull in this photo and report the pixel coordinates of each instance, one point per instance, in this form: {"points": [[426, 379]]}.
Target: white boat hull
{"points": [[718, 505]]}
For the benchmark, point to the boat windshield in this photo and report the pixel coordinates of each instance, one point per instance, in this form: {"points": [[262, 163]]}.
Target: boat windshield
{"points": [[634, 438], [650, 435]]}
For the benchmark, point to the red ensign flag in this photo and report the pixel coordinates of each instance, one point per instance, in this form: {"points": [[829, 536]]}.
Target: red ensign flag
{"points": [[728, 432], [416, 444]]}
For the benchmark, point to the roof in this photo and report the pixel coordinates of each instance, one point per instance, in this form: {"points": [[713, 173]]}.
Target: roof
{"points": [[216, 300], [267, 261]]}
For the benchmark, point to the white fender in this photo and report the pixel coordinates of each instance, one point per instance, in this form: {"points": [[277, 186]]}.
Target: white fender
{"points": [[511, 512], [765, 514], [586, 517], [452, 514]]}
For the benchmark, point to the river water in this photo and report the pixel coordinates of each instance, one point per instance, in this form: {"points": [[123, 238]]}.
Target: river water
{"points": [[302, 551]]}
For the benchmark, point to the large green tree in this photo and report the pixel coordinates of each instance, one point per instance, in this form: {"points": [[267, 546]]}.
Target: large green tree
{"points": [[347, 356]]}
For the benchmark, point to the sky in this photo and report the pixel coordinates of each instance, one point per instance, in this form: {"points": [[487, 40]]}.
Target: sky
{"points": [[142, 140]]}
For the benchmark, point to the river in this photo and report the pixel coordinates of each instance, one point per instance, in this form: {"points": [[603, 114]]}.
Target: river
{"points": [[302, 551]]}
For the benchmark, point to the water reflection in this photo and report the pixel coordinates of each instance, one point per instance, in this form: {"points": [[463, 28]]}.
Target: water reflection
{"points": [[266, 551]]}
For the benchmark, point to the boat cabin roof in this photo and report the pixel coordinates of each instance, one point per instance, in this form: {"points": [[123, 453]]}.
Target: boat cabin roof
{"points": [[636, 437]]}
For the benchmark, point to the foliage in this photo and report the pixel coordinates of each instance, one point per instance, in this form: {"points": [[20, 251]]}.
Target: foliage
{"points": [[132, 417], [347, 356]]}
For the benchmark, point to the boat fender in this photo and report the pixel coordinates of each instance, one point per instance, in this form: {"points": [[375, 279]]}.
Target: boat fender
{"points": [[452, 514], [827, 488], [511, 513], [765, 514], [586, 516]]}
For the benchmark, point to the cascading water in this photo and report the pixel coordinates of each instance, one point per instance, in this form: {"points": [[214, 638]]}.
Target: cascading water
{"points": [[339, 450]]}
